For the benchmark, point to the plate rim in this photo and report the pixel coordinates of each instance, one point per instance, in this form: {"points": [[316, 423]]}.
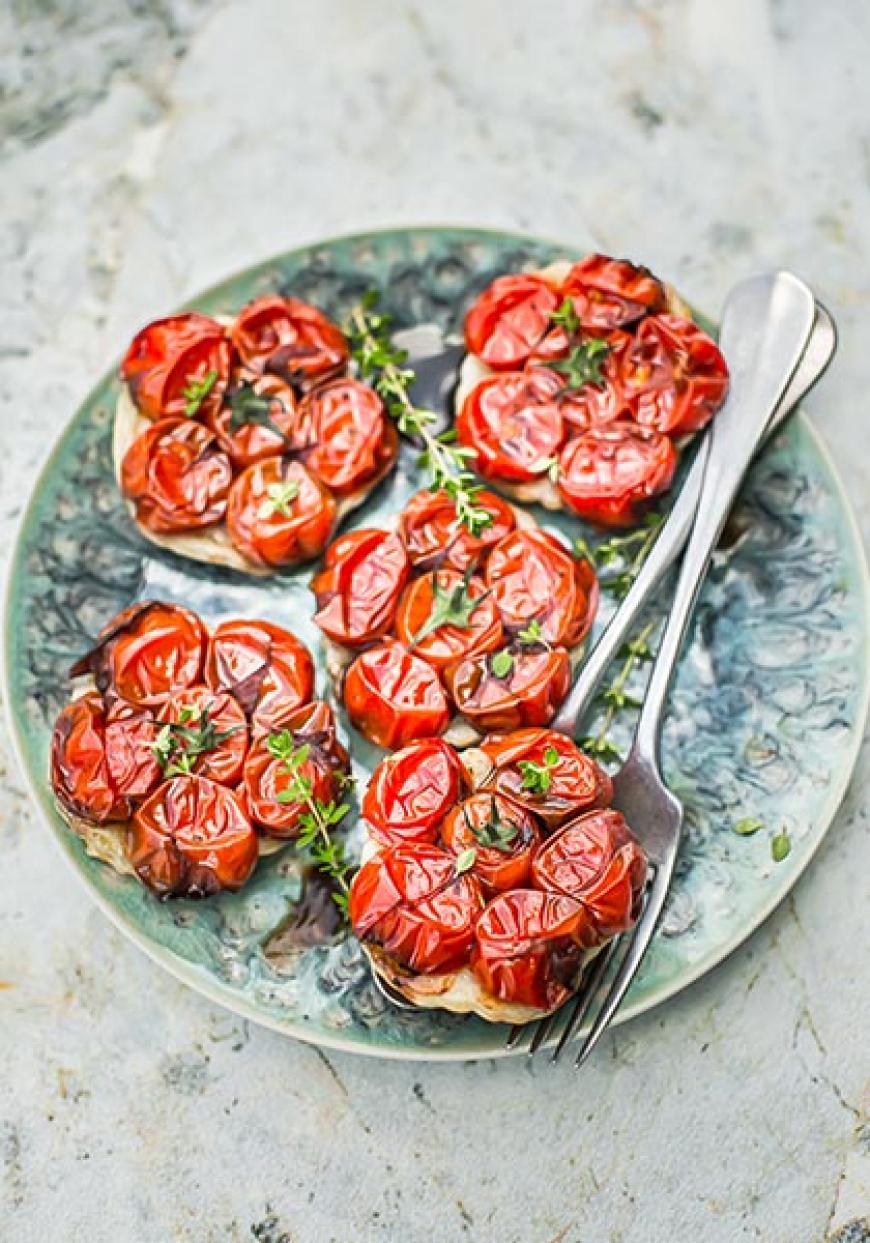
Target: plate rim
{"points": [[195, 977]]}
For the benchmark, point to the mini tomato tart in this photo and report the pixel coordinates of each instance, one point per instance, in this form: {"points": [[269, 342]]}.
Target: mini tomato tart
{"points": [[358, 590], [510, 322], [205, 732], [535, 579], [500, 835], [510, 688], [256, 421], [673, 376], [178, 367], [393, 697], [81, 777], [265, 668], [344, 436], [435, 539], [278, 514], [444, 616], [411, 792], [609, 475], [547, 773], [177, 477], [191, 838], [288, 337], [513, 424], [612, 293]]}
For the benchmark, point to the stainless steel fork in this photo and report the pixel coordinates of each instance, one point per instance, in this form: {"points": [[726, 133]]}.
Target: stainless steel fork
{"points": [[766, 327]]}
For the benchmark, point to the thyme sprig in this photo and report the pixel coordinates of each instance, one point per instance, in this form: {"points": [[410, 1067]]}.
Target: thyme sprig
{"points": [[495, 833], [615, 697], [280, 499], [179, 744], [622, 555], [451, 606], [585, 359], [537, 778], [247, 406], [384, 366], [196, 391]]}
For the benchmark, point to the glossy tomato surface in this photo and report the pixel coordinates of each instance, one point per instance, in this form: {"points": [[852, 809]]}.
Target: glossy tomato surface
{"points": [[278, 514], [345, 436], [534, 577], [435, 539], [80, 775], [423, 602], [547, 773], [246, 439], [263, 666], [513, 423], [528, 693], [611, 293], [131, 732], [208, 731], [673, 376], [290, 337], [177, 476], [411, 792], [173, 360], [608, 475], [502, 834], [393, 697], [358, 590], [510, 322]]}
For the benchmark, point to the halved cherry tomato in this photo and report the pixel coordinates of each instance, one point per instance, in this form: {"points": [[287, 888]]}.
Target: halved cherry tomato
{"points": [[394, 697], [529, 693], [410, 901], [80, 774], [597, 860], [609, 474], [131, 732], [513, 424], [534, 577], [146, 653], [358, 589], [268, 777], [529, 947], [177, 476], [345, 436], [201, 716], [435, 538], [489, 818], [611, 293], [448, 643], [673, 375], [278, 514], [192, 839], [547, 773], [411, 791], [264, 667], [509, 322], [178, 367], [249, 442], [289, 337]]}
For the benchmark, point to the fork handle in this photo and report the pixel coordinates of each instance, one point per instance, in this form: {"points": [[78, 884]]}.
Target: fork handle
{"points": [[766, 324]]}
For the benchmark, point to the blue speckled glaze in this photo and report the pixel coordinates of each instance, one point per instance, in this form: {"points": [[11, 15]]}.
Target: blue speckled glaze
{"points": [[765, 716]]}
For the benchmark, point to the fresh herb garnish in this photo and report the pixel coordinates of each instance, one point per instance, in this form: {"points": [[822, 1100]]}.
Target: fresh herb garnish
{"points": [[452, 606], [627, 552], [179, 745], [196, 391], [247, 406], [566, 317], [531, 634], [780, 845], [379, 362], [537, 778], [615, 697], [495, 833], [747, 826], [465, 861], [583, 364], [501, 664], [281, 497]]}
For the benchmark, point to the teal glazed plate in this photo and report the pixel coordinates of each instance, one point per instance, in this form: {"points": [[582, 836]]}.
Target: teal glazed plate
{"points": [[764, 723]]}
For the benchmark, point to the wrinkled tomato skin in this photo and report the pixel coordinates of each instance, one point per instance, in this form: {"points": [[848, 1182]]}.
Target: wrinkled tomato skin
{"points": [[673, 376], [393, 697], [509, 322], [612, 293], [435, 539], [358, 590], [596, 405], [514, 425], [497, 870], [254, 442], [530, 694], [609, 475], [170, 354], [290, 336], [411, 792], [264, 667], [529, 947], [447, 644], [146, 653], [274, 539], [192, 839], [224, 762], [596, 860], [131, 732], [80, 773], [410, 901], [533, 576], [577, 782], [345, 436], [177, 476]]}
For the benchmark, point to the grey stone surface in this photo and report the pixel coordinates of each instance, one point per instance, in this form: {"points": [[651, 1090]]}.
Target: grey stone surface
{"points": [[152, 146]]}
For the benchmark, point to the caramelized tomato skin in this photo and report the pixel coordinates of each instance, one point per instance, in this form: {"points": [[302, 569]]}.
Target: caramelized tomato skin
{"points": [[254, 442], [80, 774], [192, 839], [177, 476], [510, 322], [345, 436], [533, 576], [576, 782], [271, 535], [497, 869], [673, 375], [612, 293], [530, 694], [264, 667], [131, 732], [448, 643], [435, 539], [410, 901], [609, 474], [169, 355], [394, 697], [290, 337], [411, 792], [513, 423], [358, 590], [222, 763]]}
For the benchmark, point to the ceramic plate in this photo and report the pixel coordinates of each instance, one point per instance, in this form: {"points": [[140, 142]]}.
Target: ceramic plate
{"points": [[764, 722]]}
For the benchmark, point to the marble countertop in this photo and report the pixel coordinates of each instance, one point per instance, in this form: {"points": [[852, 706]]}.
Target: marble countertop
{"points": [[149, 149]]}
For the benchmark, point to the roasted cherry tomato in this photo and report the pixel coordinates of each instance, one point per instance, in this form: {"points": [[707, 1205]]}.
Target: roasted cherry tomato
{"points": [[502, 834], [177, 475], [279, 514], [394, 697], [547, 773], [269, 775], [208, 734], [534, 578], [288, 337], [411, 792], [178, 367], [428, 598], [358, 589], [345, 436], [609, 474], [266, 669], [529, 691], [410, 901], [145, 653], [610, 293], [436, 539], [673, 375], [510, 322], [514, 424], [258, 427], [131, 732], [597, 403], [80, 774], [529, 947], [192, 839], [597, 860]]}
